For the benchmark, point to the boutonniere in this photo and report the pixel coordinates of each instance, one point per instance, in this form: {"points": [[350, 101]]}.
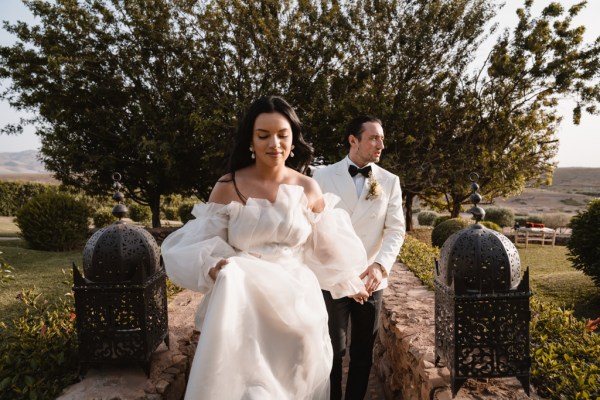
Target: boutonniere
{"points": [[374, 187]]}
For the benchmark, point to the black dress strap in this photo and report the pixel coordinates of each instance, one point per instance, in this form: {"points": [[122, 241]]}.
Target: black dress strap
{"points": [[237, 191]]}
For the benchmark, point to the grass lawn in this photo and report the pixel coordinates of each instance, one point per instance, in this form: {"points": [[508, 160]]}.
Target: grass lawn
{"points": [[33, 268], [553, 279]]}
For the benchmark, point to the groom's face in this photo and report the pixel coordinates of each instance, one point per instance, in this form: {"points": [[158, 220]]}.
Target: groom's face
{"points": [[368, 145]]}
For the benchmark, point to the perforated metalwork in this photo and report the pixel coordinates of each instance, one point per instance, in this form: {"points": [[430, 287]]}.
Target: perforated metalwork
{"points": [[485, 260], [481, 308], [116, 252]]}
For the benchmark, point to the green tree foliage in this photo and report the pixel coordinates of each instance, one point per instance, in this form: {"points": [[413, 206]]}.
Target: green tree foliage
{"points": [[153, 88], [54, 221], [584, 243], [502, 120]]}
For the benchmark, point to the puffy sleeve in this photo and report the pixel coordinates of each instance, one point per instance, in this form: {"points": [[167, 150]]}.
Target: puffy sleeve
{"points": [[334, 252], [189, 252]]}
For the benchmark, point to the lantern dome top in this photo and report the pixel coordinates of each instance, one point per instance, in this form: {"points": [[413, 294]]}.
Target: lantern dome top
{"points": [[119, 251], [479, 260]]}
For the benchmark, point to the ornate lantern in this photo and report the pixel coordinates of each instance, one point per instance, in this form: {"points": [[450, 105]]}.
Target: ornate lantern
{"points": [[481, 305], [121, 301]]}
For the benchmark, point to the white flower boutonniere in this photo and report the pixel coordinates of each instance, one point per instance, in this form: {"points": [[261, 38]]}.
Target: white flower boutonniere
{"points": [[374, 187]]}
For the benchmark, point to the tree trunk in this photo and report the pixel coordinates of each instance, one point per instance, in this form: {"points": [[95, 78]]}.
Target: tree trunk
{"points": [[408, 211], [456, 207], [154, 204]]}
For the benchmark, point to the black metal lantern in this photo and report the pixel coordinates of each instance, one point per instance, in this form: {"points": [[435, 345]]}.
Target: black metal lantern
{"points": [[482, 310], [121, 303]]}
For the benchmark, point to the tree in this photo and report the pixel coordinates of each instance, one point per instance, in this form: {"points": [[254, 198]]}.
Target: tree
{"points": [[114, 85], [153, 88], [396, 57], [503, 119]]}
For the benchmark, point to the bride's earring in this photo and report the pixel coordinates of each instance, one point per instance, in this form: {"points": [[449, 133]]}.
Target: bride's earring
{"points": [[252, 151], [291, 152]]}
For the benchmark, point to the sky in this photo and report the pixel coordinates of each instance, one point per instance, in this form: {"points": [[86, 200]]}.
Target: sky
{"points": [[578, 144]]}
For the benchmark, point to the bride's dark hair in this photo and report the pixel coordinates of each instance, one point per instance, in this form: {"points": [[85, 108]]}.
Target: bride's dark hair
{"points": [[242, 157]]}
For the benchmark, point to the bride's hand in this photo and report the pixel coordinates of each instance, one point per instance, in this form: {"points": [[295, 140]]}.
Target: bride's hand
{"points": [[214, 271], [361, 296]]}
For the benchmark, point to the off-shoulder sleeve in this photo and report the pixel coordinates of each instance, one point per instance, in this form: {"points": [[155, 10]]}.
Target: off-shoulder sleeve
{"points": [[334, 252], [189, 252]]}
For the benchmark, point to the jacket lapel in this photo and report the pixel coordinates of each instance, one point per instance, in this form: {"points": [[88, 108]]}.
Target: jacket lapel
{"points": [[344, 185]]}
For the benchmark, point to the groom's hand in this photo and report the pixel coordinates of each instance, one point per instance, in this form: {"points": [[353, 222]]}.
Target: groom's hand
{"points": [[374, 277]]}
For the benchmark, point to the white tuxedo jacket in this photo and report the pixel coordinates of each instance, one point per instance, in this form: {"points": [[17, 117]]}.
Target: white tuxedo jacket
{"points": [[378, 222]]}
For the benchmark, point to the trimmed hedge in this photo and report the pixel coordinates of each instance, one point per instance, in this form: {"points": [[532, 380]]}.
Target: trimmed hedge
{"points": [[427, 218], [502, 216], [445, 229], [420, 258], [54, 221]]}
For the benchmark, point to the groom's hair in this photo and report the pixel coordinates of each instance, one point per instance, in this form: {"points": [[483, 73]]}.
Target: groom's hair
{"points": [[356, 128]]}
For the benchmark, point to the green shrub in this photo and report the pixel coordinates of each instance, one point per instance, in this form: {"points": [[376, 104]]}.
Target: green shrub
{"points": [[103, 217], [584, 243], [445, 229], [565, 356], [426, 218], [38, 351], [440, 219], [139, 213], [170, 213], [420, 258], [54, 221], [14, 195], [185, 212], [502, 216], [556, 220], [491, 225]]}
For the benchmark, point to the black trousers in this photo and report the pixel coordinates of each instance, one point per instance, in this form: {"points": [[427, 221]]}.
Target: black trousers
{"points": [[364, 322]]}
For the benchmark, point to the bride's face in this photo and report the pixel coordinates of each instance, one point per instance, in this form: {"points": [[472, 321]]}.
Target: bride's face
{"points": [[272, 138]]}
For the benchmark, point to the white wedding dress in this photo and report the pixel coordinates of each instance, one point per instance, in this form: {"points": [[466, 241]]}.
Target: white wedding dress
{"points": [[263, 323]]}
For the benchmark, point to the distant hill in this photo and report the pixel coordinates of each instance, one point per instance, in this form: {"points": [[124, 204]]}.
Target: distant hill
{"points": [[22, 162], [576, 180]]}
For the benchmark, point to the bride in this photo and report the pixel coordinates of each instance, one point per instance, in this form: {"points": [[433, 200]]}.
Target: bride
{"points": [[260, 250]]}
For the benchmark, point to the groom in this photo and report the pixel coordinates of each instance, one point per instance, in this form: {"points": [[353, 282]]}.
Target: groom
{"points": [[372, 197]]}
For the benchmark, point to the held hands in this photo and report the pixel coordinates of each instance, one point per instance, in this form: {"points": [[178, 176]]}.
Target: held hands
{"points": [[374, 276], [214, 271], [361, 296]]}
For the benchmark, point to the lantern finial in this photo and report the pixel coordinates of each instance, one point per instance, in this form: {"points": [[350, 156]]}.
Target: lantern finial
{"points": [[120, 210], [478, 212]]}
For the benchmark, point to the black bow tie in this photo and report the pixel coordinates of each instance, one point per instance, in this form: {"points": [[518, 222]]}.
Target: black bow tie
{"points": [[365, 171]]}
